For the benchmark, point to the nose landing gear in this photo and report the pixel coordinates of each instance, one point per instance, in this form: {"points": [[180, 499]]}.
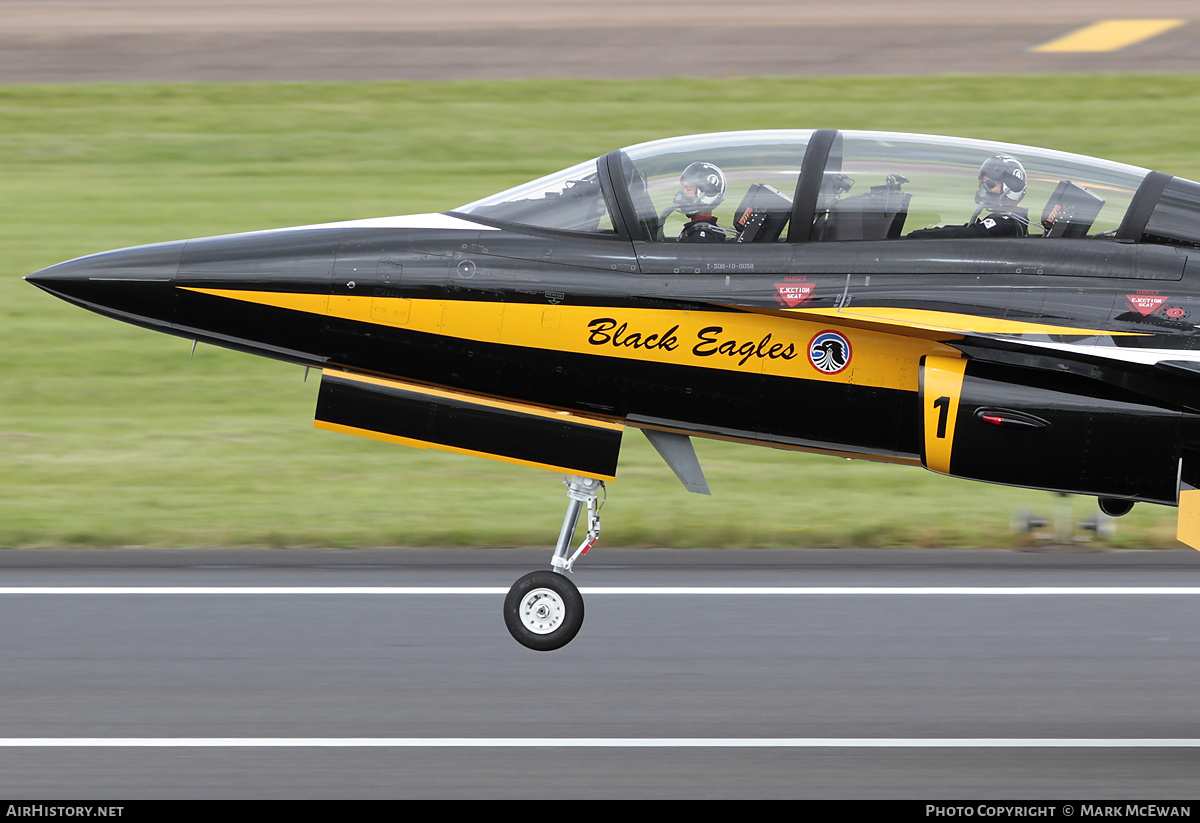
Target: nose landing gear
{"points": [[543, 610]]}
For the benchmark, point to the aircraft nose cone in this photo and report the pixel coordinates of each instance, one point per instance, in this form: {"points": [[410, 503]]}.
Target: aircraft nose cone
{"points": [[135, 284]]}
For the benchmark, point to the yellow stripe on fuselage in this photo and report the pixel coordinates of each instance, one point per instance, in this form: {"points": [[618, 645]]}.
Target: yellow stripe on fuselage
{"points": [[748, 342], [951, 322]]}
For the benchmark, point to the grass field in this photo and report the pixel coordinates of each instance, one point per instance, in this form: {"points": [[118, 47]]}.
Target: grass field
{"points": [[110, 435]]}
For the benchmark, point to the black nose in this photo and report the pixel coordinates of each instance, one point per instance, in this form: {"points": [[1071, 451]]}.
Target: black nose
{"points": [[134, 284]]}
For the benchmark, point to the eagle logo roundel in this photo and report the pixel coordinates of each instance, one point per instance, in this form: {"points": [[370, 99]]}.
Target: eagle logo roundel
{"points": [[829, 352]]}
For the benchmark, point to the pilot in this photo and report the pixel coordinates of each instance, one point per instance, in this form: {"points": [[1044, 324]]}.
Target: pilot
{"points": [[701, 189], [1001, 187]]}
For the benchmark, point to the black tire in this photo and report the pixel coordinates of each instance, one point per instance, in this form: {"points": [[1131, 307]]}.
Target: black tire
{"points": [[543, 611], [1115, 507]]}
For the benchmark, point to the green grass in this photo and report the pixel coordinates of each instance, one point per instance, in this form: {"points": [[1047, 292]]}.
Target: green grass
{"points": [[110, 435]]}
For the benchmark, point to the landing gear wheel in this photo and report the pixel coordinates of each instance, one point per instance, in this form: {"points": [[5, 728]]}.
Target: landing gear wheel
{"points": [[543, 611], [1115, 507]]}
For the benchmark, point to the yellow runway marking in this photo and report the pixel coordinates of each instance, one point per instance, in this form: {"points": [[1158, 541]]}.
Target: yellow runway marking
{"points": [[1109, 35]]}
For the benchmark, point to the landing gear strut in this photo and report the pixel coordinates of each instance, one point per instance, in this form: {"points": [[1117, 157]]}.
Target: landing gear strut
{"points": [[543, 610]]}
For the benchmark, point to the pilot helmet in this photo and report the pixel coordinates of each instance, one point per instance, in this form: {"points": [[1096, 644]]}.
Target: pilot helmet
{"points": [[1009, 173], [710, 189]]}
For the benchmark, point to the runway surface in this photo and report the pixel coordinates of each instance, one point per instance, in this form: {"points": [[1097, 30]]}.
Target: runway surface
{"points": [[273, 674], [226, 40]]}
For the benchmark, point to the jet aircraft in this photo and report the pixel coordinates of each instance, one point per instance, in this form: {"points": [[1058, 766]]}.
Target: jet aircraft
{"points": [[536, 325]]}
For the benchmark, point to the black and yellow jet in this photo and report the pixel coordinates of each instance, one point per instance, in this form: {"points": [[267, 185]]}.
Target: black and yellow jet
{"points": [[989, 311]]}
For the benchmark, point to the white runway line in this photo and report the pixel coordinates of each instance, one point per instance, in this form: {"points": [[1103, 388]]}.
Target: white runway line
{"points": [[604, 742], [600, 742], [627, 590]]}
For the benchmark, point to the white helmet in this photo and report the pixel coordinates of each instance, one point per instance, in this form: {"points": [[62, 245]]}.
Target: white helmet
{"points": [[1009, 174], [710, 189]]}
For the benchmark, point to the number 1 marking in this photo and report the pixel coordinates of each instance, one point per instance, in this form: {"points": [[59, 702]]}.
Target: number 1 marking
{"points": [[942, 404]]}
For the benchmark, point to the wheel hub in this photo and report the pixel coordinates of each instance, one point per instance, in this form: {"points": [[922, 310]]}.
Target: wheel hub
{"points": [[542, 611]]}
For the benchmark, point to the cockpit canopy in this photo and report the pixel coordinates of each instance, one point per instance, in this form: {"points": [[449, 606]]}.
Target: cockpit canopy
{"points": [[826, 185]]}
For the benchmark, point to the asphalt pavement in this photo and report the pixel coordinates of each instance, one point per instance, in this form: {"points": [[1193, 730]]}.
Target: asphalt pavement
{"points": [[724, 674], [71, 41]]}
